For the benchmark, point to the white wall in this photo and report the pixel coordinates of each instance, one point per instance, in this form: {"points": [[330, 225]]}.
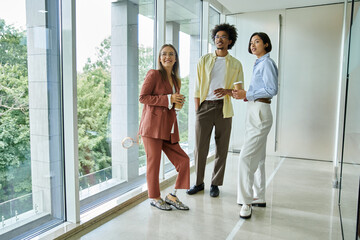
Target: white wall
{"points": [[308, 75], [310, 72], [246, 25]]}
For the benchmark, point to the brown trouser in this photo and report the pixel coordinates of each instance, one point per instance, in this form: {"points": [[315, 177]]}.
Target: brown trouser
{"points": [[210, 114], [175, 154]]}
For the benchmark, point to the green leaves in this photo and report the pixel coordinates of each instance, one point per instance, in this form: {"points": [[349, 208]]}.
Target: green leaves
{"points": [[15, 170], [94, 106], [13, 50]]}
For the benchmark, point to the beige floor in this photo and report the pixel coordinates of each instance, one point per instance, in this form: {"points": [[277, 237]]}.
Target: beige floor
{"points": [[301, 204]]}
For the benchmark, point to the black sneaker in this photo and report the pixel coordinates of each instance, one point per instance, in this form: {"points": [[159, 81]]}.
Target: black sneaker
{"points": [[214, 191], [195, 189]]}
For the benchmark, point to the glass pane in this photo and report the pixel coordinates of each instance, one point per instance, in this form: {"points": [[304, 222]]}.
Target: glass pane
{"points": [[351, 161], [214, 19], [93, 48], [114, 52], [31, 163], [183, 32], [14, 114], [146, 58]]}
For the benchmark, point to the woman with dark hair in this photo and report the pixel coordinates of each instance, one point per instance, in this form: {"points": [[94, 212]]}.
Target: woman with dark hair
{"points": [[263, 87], [159, 127]]}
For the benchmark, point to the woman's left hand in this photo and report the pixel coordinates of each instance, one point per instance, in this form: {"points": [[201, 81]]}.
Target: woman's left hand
{"points": [[239, 94], [220, 92], [177, 98]]}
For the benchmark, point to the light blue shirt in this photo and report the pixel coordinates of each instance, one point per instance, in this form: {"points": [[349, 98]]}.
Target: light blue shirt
{"points": [[264, 81]]}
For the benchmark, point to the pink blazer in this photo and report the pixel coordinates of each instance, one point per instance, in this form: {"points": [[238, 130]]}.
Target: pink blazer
{"points": [[156, 119]]}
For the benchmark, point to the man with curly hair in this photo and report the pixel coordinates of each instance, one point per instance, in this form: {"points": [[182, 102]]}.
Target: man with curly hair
{"points": [[216, 74]]}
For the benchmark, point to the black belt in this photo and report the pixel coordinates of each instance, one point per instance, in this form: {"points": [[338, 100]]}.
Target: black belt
{"points": [[220, 101], [263, 100]]}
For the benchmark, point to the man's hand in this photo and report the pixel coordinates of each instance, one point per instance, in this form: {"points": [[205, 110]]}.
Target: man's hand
{"points": [[220, 92], [197, 103]]}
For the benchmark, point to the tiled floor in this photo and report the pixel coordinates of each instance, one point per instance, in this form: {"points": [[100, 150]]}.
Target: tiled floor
{"points": [[301, 204]]}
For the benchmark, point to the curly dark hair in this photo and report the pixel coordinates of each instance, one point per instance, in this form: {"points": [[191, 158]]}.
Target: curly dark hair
{"points": [[229, 29]]}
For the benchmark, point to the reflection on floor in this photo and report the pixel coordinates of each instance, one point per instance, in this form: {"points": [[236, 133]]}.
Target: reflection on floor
{"points": [[301, 204]]}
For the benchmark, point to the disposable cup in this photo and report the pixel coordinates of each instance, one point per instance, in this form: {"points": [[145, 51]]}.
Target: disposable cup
{"points": [[178, 106], [239, 85]]}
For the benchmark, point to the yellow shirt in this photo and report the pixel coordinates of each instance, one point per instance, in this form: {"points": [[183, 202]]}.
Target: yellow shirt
{"points": [[234, 73]]}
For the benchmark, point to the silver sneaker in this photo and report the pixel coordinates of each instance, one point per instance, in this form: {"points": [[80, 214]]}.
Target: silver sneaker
{"points": [[173, 200], [160, 204]]}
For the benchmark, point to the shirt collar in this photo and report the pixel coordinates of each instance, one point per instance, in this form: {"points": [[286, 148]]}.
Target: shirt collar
{"points": [[214, 56], [267, 55]]}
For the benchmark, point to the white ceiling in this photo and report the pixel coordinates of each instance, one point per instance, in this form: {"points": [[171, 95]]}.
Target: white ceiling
{"points": [[240, 6]]}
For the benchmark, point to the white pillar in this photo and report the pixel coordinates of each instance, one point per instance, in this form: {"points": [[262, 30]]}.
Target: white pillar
{"points": [[161, 26], [205, 28], [173, 34], [124, 88]]}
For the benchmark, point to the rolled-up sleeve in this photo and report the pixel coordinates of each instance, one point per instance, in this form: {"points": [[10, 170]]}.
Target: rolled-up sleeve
{"points": [[270, 77], [198, 79]]}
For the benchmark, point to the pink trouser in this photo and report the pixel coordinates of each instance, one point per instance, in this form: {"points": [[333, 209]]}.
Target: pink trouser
{"points": [[176, 155]]}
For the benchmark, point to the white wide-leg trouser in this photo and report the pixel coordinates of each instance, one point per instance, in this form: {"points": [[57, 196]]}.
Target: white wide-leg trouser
{"points": [[251, 170]]}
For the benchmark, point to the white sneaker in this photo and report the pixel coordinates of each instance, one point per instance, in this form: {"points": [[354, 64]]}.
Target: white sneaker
{"points": [[259, 203], [245, 211]]}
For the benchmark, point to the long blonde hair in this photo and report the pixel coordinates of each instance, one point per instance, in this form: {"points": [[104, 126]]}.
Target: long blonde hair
{"points": [[175, 69]]}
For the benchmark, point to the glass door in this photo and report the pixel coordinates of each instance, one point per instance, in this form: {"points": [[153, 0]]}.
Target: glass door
{"points": [[350, 162]]}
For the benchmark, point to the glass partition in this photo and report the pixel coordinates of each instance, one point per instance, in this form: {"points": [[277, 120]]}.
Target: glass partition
{"points": [[146, 58], [114, 52], [31, 160], [350, 165], [183, 32], [214, 19]]}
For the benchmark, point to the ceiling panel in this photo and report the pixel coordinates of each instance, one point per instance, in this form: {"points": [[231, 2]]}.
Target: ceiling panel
{"points": [[240, 6]]}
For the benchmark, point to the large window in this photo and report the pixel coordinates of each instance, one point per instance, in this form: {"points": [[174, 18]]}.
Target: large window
{"points": [[31, 169], [93, 35], [183, 31], [350, 163], [214, 19], [115, 48], [146, 58], [114, 52]]}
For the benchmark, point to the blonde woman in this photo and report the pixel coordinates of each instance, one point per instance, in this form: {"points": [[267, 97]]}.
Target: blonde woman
{"points": [[159, 127]]}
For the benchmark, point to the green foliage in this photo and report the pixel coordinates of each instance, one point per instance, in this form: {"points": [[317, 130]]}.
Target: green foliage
{"points": [[183, 113], [15, 171], [103, 57], [94, 112], [12, 47], [146, 62]]}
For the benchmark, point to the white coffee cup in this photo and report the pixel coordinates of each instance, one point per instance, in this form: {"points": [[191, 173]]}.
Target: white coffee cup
{"points": [[238, 85]]}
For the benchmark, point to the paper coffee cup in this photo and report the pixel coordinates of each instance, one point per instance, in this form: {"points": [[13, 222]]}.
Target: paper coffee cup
{"points": [[178, 106], [238, 85]]}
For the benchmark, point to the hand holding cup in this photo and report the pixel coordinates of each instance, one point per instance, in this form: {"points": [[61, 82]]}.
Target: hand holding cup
{"points": [[238, 85], [178, 99], [239, 92]]}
